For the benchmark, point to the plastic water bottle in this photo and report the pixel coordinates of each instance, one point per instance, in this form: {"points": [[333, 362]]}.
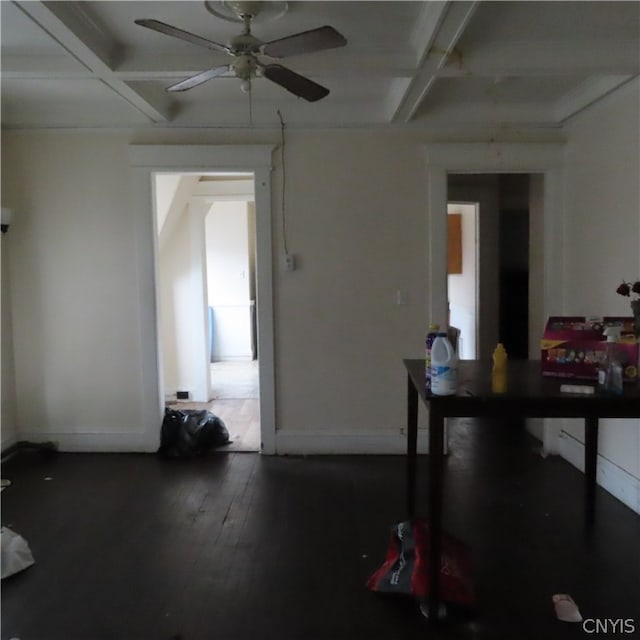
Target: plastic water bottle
{"points": [[444, 367], [610, 375], [431, 336]]}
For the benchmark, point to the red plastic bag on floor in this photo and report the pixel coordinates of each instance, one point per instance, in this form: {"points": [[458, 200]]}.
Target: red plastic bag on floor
{"points": [[406, 567]]}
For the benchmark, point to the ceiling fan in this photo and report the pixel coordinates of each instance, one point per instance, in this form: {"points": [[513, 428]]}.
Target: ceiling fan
{"points": [[245, 49]]}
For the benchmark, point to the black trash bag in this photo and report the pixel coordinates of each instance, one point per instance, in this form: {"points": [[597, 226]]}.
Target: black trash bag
{"points": [[188, 432]]}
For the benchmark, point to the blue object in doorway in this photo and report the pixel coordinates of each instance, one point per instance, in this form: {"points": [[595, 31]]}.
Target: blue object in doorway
{"points": [[210, 334]]}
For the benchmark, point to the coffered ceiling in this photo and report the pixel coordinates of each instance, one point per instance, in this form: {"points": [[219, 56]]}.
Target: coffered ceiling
{"points": [[431, 64]]}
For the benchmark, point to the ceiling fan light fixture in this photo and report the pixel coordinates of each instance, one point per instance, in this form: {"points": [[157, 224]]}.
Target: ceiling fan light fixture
{"points": [[245, 86], [245, 66]]}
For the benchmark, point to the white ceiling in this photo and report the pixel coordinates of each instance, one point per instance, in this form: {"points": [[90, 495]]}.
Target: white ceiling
{"points": [[429, 64]]}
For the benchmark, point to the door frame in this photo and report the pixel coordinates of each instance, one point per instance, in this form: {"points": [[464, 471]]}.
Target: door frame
{"points": [[145, 161], [498, 157]]}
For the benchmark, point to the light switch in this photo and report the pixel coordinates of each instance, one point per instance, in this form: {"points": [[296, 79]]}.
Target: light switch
{"points": [[401, 297]]}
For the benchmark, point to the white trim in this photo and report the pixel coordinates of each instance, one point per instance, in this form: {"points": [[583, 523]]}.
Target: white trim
{"points": [[133, 441], [9, 442], [201, 158], [145, 160], [300, 442], [199, 336], [609, 476], [535, 426], [492, 157]]}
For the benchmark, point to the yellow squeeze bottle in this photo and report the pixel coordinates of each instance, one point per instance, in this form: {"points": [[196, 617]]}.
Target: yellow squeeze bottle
{"points": [[499, 373]]}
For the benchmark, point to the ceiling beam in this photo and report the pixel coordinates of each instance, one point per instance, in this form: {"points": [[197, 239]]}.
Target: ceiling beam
{"points": [[448, 21], [586, 94], [549, 58], [81, 37], [556, 59], [426, 27]]}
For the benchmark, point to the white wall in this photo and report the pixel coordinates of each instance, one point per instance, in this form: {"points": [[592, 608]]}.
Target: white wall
{"points": [[251, 218], [183, 314], [602, 246], [74, 294], [230, 274], [166, 186], [227, 232], [8, 430], [462, 286], [357, 223], [174, 288]]}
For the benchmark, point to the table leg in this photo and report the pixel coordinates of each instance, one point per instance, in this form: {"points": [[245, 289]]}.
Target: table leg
{"points": [[412, 445], [436, 486], [590, 465]]}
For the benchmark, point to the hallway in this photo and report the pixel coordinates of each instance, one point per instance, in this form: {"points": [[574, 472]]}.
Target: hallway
{"points": [[236, 400]]}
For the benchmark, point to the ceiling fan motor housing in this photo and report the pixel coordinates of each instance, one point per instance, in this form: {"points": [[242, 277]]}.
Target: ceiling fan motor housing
{"points": [[244, 43]]}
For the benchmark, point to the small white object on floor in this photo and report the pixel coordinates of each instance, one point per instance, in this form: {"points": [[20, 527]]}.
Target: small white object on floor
{"points": [[15, 554], [566, 609], [442, 609]]}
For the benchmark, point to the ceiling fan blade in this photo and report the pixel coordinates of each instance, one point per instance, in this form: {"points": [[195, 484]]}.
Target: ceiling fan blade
{"points": [[199, 78], [167, 29], [294, 82], [305, 42]]}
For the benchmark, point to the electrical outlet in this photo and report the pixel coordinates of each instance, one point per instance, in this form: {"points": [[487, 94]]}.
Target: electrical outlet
{"points": [[289, 262]]}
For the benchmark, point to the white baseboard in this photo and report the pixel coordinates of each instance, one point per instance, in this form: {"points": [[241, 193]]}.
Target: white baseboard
{"points": [[609, 476], [298, 442], [120, 442], [535, 426], [288, 442], [8, 443]]}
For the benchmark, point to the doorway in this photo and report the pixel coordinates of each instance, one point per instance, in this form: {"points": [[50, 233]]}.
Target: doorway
{"points": [[145, 162], [513, 263], [488, 285], [206, 268], [543, 162]]}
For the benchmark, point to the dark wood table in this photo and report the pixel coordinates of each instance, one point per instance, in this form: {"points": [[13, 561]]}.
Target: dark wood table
{"points": [[528, 395]]}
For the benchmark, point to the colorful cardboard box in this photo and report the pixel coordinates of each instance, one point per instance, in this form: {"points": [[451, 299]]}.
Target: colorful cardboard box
{"points": [[573, 346]]}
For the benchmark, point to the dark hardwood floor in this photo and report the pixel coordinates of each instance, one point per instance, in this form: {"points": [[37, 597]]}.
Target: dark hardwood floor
{"points": [[236, 546]]}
